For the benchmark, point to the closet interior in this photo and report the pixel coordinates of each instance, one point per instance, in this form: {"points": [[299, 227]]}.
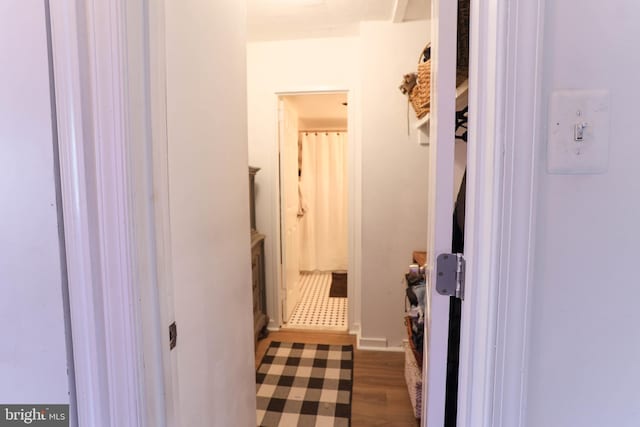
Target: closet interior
{"points": [[416, 280]]}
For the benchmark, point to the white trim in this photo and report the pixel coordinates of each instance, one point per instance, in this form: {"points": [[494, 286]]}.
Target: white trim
{"points": [[440, 203], [355, 329], [484, 174], [162, 219], [84, 300], [272, 327], [354, 284], [282, 249], [377, 344], [504, 109], [371, 343], [95, 138], [525, 28], [354, 279], [108, 64]]}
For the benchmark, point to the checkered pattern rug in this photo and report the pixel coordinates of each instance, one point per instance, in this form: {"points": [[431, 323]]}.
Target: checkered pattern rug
{"points": [[300, 385]]}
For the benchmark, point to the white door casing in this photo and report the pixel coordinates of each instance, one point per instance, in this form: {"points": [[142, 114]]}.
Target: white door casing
{"points": [[96, 82], [354, 208], [504, 105], [440, 216], [289, 212], [91, 367], [167, 360]]}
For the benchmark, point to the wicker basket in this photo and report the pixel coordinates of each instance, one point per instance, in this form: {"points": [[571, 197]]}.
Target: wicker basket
{"points": [[417, 354], [420, 96], [421, 93], [413, 378]]}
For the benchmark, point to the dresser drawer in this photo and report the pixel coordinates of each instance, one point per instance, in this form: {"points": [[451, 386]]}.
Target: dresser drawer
{"points": [[258, 292]]}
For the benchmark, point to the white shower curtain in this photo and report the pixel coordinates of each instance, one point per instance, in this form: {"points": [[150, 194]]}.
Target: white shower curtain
{"points": [[324, 200]]}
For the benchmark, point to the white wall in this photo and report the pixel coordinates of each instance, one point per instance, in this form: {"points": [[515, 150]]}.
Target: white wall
{"points": [[394, 175], [207, 132], [585, 341], [392, 164], [33, 356]]}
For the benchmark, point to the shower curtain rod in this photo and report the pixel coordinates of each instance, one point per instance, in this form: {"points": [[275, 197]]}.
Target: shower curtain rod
{"points": [[323, 130]]}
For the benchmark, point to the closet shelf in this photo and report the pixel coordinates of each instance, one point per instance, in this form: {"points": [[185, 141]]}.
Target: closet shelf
{"points": [[462, 99], [423, 121]]}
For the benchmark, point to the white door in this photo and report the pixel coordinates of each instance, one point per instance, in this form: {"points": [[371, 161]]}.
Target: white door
{"points": [[289, 208], [440, 202]]}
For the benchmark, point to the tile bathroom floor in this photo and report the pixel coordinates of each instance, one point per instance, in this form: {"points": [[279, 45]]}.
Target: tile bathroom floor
{"points": [[316, 310]]}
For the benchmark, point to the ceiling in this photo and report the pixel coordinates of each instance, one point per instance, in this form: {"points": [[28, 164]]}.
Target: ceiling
{"points": [[295, 19], [320, 111]]}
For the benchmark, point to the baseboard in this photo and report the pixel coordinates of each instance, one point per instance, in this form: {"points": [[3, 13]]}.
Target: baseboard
{"points": [[371, 343], [272, 326], [362, 343], [354, 329], [377, 344]]}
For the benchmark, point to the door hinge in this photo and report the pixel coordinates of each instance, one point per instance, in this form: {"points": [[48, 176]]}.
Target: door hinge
{"points": [[450, 270]]}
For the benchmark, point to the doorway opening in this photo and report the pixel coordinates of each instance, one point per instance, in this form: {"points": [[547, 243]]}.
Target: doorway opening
{"points": [[314, 199]]}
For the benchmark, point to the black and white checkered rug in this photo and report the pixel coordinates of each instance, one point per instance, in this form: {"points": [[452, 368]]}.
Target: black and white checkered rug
{"points": [[300, 385]]}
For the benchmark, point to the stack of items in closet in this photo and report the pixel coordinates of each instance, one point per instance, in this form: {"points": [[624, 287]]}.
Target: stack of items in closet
{"points": [[414, 320]]}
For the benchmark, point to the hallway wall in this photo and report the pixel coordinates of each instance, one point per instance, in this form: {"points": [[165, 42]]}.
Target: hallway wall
{"points": [[394, 176], [585, 342], [209, 206], [33, 354], [392, 196]]}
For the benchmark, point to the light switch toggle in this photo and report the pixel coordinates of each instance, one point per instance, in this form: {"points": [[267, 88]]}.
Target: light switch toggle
{"points": [[578, 131]]}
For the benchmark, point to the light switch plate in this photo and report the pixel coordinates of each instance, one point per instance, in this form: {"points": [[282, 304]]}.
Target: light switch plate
{"points": [[575, 114]]}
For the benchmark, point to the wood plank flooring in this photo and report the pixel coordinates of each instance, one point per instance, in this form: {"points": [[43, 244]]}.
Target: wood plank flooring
{"points": [[380, 396]]}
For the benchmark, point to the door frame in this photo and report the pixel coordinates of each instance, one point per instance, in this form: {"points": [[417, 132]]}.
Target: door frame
{"points": [[282, 219], [355, 214], [504, 115], [440, 188], [89, 370], [161, 361], [505, 109], [98, 245], [109, 228]]}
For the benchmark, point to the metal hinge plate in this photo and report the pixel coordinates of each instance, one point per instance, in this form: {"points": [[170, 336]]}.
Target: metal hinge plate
{"points": [[450, 275]]}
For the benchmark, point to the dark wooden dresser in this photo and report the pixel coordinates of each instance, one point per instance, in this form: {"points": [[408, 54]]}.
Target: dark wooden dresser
{"points": [[260, 318]]}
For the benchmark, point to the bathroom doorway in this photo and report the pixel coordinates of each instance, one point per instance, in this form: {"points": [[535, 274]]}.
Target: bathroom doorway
{"points": [[314, 199]]}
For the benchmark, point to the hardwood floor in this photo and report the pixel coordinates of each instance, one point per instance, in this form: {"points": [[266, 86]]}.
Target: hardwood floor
{"points": [[380, 396]]}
